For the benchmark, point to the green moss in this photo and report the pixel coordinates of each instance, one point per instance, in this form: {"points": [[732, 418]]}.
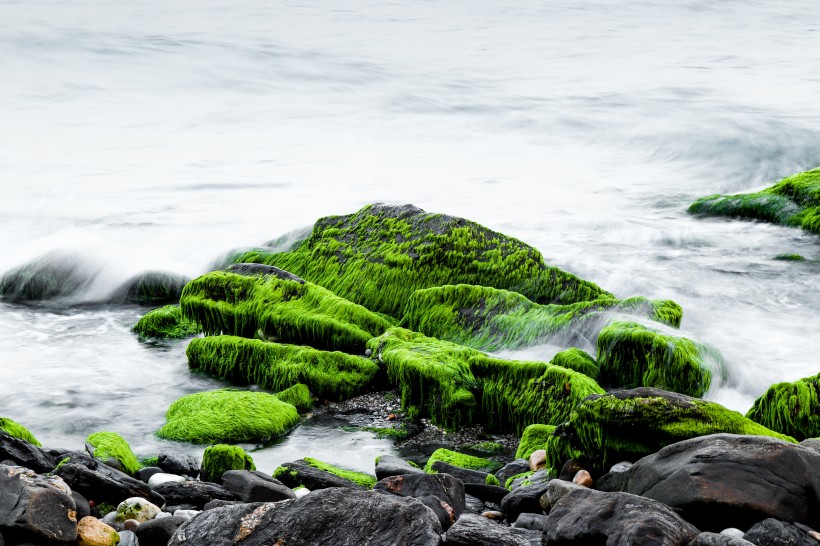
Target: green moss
{"points": [[298, 396], [632, 355], [380, 255], [229, 416], [578, 360], [490, 448], [359, 478], [17, 430], [793, 201], [790, 408], [110, 445], [106, 508], [220, 458], [533, 438], [790, 258], [149, 461], [461, 460], [275, 366], [165, 322], [279, 309], [492, 480], [491, 319], [511, 479]]}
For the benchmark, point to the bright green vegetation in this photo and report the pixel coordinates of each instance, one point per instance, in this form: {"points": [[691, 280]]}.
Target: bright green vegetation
{"points": [[790, 258], [165, 322], [17, 430], [228, 415], [220, 458], [298, 396], [632, 355], [461, 460], [790, 408], [793, 201], [490, 448], [279, 309], [106, 508], [578, 360], [492, 480], [276, 366], [381, 254], [359, 478], [533, 438], [490, 319], [628, 425], [149, 461], [511, 479], [110, 445]]}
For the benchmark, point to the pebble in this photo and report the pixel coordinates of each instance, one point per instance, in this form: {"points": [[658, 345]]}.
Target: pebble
{"points": [[815, 535], [186, 514], [583, 478], [109, 518], [163, 477], [137, 508], [128, 538], [493, 514], [301, 492], [93, 532], [131, 525], [623, 466], [732, 532], [538, 459]]}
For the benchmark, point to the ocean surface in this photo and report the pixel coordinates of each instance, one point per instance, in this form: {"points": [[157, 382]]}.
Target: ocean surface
{"points": [[151, 135]]}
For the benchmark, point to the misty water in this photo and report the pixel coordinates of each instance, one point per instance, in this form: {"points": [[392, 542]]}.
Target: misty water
{"points": [[150, 135]]}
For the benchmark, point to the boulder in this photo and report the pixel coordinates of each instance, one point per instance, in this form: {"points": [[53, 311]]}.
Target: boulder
{"points": [[195, 493], [165, 323], [82, 504], [39, 507], [150, 288], [24, 453], [472, 530], [555, 490], [302, 472], [390, 465], [790, 408], [463, 474], [158, 532], [93, 532], [523, 499], [518, 466], [772, 532], [255, 486], [442, 486], [176, 462], [101, 483]]}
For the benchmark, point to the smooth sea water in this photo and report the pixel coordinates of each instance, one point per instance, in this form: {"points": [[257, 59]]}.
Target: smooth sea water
{"points": [[145, 135]]}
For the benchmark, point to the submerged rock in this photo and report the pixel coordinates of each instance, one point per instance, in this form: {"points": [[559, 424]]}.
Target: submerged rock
{"points": [[49, 276], [151, 288], [790, 408]]}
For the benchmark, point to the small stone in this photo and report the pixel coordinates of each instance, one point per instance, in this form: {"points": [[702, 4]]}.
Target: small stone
{"points": [[131, 524], [538, 459], [583, 478], [163, 515], [732, 532], [493, 514], [623, 466], [368, 352], [137, 508], [391, 416], [93, 532], [530, 521], [815, 535], [128, 538], [301, 492], [109, 518], [186, 514], [144, 474], [163, 477]]}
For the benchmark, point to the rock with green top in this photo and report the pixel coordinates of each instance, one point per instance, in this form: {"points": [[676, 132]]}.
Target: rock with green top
{"points": [[461, 460], [793, 201], [790, 408], [633, 355], [17, 430], [137, 508], [331, 375], [165, 323], [113, 450], [533, 438], [220, 458], [577, 360], [297, 396], [315, 474], [228, 416]]}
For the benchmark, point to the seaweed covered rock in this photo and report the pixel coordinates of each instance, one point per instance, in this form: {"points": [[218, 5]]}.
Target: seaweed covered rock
{"points": [[632, 355], [228, 416], [275, 307], [165, 322], [461, 460], [298, 396], [790, 408], [627, 425], [275, 366], [151, 288], [220, 458], [381, 254], [793, 201], [17, 430], [490, 319], [113, 450], [315, 474], [52, 275], [577, 360], [533, 438]]}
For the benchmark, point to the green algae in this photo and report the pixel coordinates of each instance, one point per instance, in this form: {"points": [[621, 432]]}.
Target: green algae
{"points": [[491, 319], [278, 308], [228, 416], [793, 201], [16, 430], [298, 396], [380, 255], [165, 322], [492, 480], [110, 445], [633, 355], [790, 408], [789, 258], [533, 438], [220, 458], [275, 366], [577, 360], [360, 478], [461, 460], [490, 448]]}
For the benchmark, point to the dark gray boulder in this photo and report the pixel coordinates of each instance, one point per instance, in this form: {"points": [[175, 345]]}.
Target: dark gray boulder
{"points": [[390, 465], [254, 486], [25, 454], [527, 520], [518, 466], [83, 508], [463, 474], [301, 473], [157, 532], [473, 505], [487, 493], [523, 499], [101, 483], [194, 493], [34, 507], [181, 464], [715, 539], [473, 530], [219, 503], [443, 486], [588, 517], [772, 532], [144, 474]]}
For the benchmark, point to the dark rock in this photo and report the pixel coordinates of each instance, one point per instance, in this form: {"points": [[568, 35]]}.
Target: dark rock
{"points": [[181, 464], [40, 507], [623, 466], [311, 477], [772, 532], [509, 470], [570, 469], [714, 539], [813, 444], [157, 532], [101, 483], [523, 499], [151, 288], [725, 480], [49, 276], [443, 511], [194, 493], [487, 493], [443, 486], [24, 454], [83, 508], [586, 517], [534, 522], [390, 465], [463, 474], [473, 505], [472, 530], [612, 481], [219, 503], [322, 518], [254, 486], [144, 474], [555, 490], [538, 477]]}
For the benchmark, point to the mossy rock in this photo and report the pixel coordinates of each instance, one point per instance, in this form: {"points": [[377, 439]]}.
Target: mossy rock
{"points": [[256, 301], [793, 201], [490, 448], [151, 288], [220, 458], [533, 438], [461, 460], [790, 408], [165, 323], [297, 396], [113, 450], [17, 430], [228, 416], [359, 478], [627, 425], [276, 366], [577, 360], [632, 355], [491, 319], [380, 255]]}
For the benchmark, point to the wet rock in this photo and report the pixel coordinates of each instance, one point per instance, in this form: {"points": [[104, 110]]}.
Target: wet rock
{"points": [[511, 469], [538, 477], [254, 486], [554, 492], [195, 493], [163, 477], [487, 493], [586, 516], [131, 524], [813, 444], [442, 486], [523, 499], [733, 532], [714, 539], [128, 538], [538, 459], [472, 530], [219, 503], [93, 532], [158, 532], [390, 465], [533, 522], [144, 474], [171, 509], [175, 462], [36, 506], [83, 508], [582, 478], [136, 508], [464, 474], [186, 514], [101, 483], [772, 532], [443, 511], [300, 473], [24, 453], [473, 505]]}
